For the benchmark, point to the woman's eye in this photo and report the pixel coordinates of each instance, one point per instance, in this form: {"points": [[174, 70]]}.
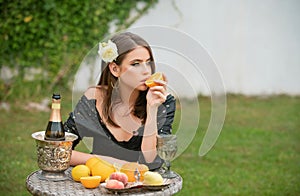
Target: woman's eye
{"points": [[149, 63], [141, 63], [135, 64]]}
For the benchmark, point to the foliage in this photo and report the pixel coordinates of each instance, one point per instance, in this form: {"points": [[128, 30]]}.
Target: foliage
{"points": [[53, 35]]}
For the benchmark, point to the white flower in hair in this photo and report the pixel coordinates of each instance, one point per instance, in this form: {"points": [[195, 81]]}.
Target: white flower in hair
{"points": [[108, 51]]}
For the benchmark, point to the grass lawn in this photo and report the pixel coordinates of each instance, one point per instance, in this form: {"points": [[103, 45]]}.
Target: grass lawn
{"points": [[257, 153]]}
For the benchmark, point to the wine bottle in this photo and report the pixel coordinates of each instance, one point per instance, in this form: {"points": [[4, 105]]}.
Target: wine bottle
{"points": [[55, 130]]}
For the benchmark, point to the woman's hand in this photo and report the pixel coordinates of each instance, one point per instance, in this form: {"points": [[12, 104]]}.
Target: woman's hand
{"points": [[157, 94]]}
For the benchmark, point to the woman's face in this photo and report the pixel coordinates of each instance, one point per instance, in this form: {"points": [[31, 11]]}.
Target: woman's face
{"points": [[136, 68]]}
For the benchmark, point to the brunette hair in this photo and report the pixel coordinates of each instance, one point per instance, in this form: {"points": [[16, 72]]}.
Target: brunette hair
{"points": [[126, 42]]}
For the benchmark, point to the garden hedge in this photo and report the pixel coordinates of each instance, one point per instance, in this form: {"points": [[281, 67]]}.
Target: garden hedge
{"points": [[48, 38]]}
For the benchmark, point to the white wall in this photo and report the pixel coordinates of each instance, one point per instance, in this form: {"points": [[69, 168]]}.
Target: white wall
{"points": [[255, 43]]}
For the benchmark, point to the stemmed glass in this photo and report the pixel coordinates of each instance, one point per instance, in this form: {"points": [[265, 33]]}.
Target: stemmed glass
{"points": [[166, 149]]}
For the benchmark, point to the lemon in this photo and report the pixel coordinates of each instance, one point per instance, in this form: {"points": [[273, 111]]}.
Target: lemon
{"points": [[80, 171], [90, 182], [156, 76], [153, 178]]}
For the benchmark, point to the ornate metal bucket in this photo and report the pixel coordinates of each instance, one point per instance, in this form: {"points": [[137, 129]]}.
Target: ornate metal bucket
{"points": [[53, 157]]}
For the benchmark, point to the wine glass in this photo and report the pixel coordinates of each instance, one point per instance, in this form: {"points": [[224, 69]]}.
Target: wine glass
{"points": [[166, 149]]}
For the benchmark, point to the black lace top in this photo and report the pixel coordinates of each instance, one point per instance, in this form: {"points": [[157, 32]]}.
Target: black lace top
{"points": [[85, 121]]}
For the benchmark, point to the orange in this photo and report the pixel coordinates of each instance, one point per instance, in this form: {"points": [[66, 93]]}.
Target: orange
{"points": [[80, 171], [102, 168], [129, 168], [150, 82], [91, 161], [90, 182]]}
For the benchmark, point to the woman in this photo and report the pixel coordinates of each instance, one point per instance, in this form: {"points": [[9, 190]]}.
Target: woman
{"points": [[121, 114]]}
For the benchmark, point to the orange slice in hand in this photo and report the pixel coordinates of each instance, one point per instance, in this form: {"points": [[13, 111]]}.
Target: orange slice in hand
{"points": [[150, 82]]}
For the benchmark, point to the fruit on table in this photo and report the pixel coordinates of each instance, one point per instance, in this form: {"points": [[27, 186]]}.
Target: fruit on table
{"points": [[114, 184], [91, 161], [130, 167], [102, 168], [152, 178], [90, 182], [122, 177], [150, 82], [80, 171]]}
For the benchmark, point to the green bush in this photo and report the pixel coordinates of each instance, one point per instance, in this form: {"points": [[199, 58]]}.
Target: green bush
{"points": [[53, 35]]}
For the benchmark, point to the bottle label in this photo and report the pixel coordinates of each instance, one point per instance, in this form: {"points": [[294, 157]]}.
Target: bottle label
{"points": [[55, 106]]}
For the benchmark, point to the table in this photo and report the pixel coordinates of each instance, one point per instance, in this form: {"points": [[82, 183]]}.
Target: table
{"points": [[36, 186]]}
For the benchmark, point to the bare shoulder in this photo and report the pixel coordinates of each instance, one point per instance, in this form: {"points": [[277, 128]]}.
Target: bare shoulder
{"points": [[90, 93], [95, 92]]}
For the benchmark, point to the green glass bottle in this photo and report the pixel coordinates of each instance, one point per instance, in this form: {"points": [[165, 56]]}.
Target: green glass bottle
{"points": [[55, 130]]}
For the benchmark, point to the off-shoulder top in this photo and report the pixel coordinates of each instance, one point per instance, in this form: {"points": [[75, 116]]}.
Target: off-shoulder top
{"points": [[85, 121]]}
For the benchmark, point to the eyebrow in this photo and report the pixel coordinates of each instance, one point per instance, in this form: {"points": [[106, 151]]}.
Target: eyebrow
{"points": [[140, 60]]}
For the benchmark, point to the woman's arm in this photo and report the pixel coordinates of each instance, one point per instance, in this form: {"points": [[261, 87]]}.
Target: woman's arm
{"points": [[155, 97], [163, 119], [150, 132], [78, 158]]}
